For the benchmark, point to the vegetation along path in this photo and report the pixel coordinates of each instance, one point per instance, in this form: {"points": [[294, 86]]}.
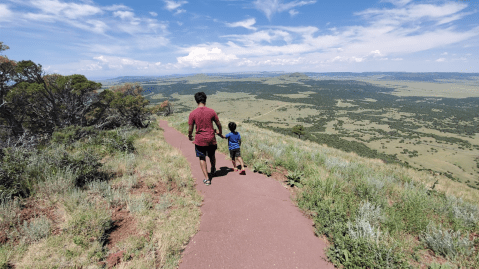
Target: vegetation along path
{"points": [[247, 221]]}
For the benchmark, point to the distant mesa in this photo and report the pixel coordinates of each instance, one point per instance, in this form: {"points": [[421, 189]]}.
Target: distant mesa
{"points": [[296, 76]]}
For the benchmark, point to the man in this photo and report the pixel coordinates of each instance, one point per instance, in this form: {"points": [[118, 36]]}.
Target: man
{"points": [[205, 140]]}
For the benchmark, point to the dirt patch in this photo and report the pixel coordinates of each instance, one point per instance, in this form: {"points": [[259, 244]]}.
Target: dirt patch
{"points": [[3, 237], [124, 223], [280, 174], [114, 259], [123, 226], [35, 208]]}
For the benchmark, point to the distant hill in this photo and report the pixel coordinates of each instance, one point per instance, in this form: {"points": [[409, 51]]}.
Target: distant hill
{"points": [[442, 77]]}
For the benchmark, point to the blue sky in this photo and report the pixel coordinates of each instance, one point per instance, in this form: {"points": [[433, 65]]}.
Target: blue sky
{"points": [[109, 38]]}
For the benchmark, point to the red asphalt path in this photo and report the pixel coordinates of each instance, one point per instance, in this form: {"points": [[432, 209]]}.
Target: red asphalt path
{"points": [[247, 221]]}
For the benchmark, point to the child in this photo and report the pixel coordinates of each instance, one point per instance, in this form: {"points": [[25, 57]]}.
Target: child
{"points": [[234, 143]]}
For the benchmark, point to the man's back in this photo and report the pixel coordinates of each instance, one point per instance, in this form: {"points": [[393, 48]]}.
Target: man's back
{"points": [[203, 118]]}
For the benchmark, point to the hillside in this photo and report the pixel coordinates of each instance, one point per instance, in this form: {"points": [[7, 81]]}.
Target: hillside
{"points": [[138, 209], [375, 215]]}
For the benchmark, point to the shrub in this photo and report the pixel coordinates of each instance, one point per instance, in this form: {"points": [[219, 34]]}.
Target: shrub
{"points": [[294, 178], [59, 182], [370, 213], [447, 242], [8, 211], [88, 221], [363, 229], [462, 212], [163, 203], [362, 253], [415, 209], [262, 167], [37, 228], [13, 181], [439, 266], [138, 204]]}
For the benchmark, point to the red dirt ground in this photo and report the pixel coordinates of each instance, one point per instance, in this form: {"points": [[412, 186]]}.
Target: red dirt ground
{"points": [[247, 221]]}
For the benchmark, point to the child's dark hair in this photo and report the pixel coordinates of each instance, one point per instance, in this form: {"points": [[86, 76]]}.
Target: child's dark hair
{"points": [[232, 126], [200, 97]]}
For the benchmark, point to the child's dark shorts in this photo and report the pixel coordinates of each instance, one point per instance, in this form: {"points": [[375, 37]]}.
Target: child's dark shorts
{"points": [[234, 153], [203, 151]]}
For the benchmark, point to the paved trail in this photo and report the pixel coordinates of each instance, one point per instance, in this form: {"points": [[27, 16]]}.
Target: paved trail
{"points": [[247, 221]]}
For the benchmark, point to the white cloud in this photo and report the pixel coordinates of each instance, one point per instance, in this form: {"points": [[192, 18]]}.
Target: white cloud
{"points": [[68, 10], [122, 63], [116, 7], [444, 53], [97, 26], [375, 53], [397, 59], [154, 14], [5, 13], [172, 5], [397, 2], [441, 60], [414, 13], [293, 12], [200, 56], [179, 11], [124, 14], [270, 7], [248, 24], [39, 17], [262, 36], [146, 42]]}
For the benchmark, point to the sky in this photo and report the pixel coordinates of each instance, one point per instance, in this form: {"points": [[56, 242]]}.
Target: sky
{"points": [[111, 38]]}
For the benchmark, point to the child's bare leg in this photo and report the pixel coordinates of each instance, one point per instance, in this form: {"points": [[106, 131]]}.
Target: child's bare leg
{"points": [[241, 162], [234, 164]]}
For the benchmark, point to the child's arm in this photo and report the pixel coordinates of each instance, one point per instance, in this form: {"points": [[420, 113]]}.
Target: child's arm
{"points": [[220, 135], [239, 142]]}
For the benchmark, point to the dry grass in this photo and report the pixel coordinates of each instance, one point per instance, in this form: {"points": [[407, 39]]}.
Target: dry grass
{"points": [[153, 186]]}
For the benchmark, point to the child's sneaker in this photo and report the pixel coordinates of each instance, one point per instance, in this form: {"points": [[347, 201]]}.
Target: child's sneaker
{"points": [[243, 172]]}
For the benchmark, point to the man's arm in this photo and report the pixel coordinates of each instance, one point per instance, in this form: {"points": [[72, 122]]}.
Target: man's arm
{"points": [[190, 132], [220, 129], [220, 135]]}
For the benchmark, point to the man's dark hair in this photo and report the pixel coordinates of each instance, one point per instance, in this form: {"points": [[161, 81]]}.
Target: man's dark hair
{"points": [[232, 126], [200, 97]]}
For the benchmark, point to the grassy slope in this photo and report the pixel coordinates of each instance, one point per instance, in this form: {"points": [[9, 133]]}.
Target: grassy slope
{"points": [[375, 215], [71, 226]]}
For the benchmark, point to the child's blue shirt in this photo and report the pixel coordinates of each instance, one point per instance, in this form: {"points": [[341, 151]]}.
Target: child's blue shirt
{"points": [[233, 140]]}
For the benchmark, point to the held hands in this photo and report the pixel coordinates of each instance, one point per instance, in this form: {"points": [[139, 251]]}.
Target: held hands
{"points": [[218, 133]]}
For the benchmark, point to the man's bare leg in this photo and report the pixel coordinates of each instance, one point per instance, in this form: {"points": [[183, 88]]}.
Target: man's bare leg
{"points": [[204, 168], [213, 163]]}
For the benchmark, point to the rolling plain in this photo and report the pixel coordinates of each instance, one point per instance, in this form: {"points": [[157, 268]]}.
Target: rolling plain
{"points": [[428, 121]]}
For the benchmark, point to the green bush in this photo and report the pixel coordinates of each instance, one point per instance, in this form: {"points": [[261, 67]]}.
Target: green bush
{"points": [[13, 180], [294, 178], [262, 167], [362, 253], [87, 220], [109, 141]]}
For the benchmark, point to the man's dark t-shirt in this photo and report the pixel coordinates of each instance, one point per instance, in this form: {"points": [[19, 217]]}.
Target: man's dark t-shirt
{"points": [[203, 118]]}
